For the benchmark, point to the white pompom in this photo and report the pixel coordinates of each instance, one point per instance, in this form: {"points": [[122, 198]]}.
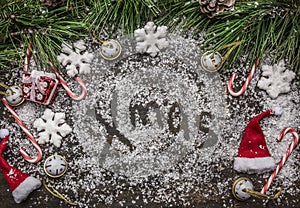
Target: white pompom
{"points": [[3, 133], [278, 111]]}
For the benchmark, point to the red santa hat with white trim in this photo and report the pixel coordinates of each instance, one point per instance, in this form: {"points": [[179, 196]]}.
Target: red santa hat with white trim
{"points": [[20, 183], [253, 155]]}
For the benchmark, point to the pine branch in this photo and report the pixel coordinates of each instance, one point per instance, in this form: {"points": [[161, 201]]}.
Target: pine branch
{"points": [[78, 8], [45, 28], [126, 15], [185, 14], [264, 26]]}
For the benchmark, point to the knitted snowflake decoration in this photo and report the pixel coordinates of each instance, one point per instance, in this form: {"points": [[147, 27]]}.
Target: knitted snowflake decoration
{"points": [[77, 61], [151, 39], [52, 127], [277, 81]]}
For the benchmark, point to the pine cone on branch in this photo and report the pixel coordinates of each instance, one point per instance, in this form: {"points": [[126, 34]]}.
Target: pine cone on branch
{"points": [[52, 3], [213, 7]]}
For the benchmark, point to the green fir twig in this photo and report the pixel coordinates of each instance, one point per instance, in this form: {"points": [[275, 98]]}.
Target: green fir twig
{"points": [[265, 27], [45, 28], [126, 15]]}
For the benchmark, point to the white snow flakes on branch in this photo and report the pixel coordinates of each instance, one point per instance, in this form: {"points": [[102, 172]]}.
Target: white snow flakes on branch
{"points": [[52, 127], [151, 39], [277, 81], [77, 61]]}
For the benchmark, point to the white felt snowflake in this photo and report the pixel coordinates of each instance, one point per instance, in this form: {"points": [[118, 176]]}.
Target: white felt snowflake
{"points": [[151, 39], [277, 81], [52, 127], [77, 61]]}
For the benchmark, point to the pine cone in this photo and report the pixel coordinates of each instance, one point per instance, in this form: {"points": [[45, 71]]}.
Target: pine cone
{"points": [[52, 3], [213, 7]]}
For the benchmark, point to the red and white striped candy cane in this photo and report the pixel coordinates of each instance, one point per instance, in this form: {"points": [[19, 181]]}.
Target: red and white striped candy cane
{"points": [[70, 93], [66, 87], [61, 80], [285, 157], [27, 58], [28, 134], [244, 87]]}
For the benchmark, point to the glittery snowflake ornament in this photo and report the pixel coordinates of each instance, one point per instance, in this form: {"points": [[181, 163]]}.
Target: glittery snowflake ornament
{"points": [[52, 127], [77, 61], [151, 39], [276, 79]]}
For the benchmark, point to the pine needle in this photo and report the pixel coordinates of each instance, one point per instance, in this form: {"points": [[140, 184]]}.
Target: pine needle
{"points": [[126, 15], [265, 27], [23, 21]]}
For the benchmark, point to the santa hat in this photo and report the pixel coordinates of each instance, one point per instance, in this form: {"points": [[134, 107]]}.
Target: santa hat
{"points": [[20, 183], [253, 155]]}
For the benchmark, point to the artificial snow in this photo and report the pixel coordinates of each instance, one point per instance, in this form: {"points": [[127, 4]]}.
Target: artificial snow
{"points": [[76, 61], [151, 39], [276, 79], [156, 106], [52, 127], [158, 132]]}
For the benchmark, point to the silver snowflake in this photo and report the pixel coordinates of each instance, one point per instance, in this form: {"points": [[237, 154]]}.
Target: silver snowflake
{"points": [[277, 81], [77, 61], [151, 39], [52, 127]]}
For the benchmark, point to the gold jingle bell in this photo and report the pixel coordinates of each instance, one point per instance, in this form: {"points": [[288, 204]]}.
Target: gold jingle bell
{"points": [[211, 61], [239, 188], [110, 49], [14, 95], [55, 166]]}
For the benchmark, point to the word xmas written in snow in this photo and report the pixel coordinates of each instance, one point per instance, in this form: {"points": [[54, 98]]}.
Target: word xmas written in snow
{"points": [[142, 115]]}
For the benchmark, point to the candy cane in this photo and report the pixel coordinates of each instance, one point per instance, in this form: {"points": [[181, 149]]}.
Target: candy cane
{"points": [[285, 157], [28, 134], [70, 93], [62, 81], [66, 87], [244, 87], [27, 58]]}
